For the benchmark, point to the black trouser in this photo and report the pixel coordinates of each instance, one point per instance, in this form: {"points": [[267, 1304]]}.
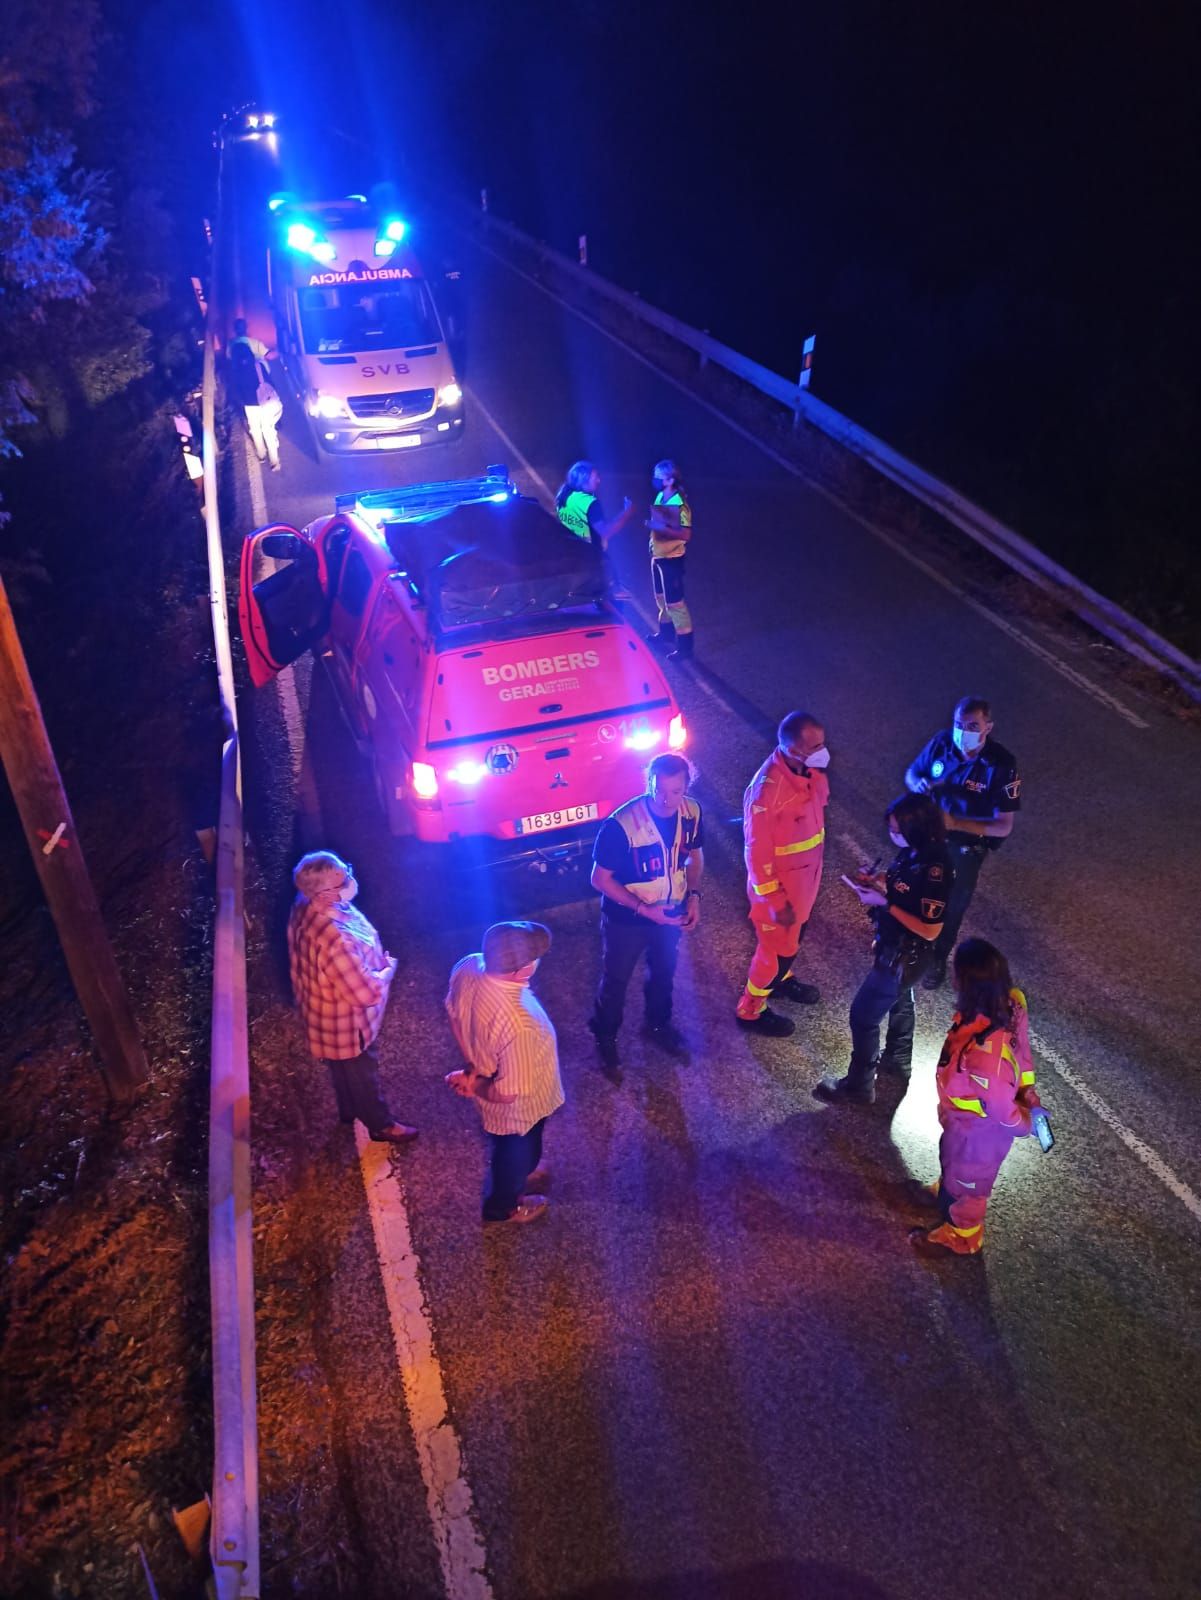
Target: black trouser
{"points": [[883, 993], [966, 859], [513, 1157], [356, 1089], [621, 945]]}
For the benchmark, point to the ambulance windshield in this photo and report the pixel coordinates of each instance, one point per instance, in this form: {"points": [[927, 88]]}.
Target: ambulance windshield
{"points": [[351, 318]]}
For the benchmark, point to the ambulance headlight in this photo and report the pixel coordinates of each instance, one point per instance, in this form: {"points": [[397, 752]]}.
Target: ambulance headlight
{"points": [[385, 247], [395, 229], [301, 236], [450, 394], [328, 405], [324, 252], [469, 773]]}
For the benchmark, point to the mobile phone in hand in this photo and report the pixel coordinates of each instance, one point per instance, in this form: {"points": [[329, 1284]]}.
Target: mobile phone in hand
{"points": [[1042, 1127]]}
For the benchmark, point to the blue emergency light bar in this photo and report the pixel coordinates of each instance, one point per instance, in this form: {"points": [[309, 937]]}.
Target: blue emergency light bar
{"points": [[422, 502]]}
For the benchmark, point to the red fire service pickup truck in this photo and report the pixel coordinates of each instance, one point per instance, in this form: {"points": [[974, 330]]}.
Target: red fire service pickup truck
{"points": [[484, 669]]}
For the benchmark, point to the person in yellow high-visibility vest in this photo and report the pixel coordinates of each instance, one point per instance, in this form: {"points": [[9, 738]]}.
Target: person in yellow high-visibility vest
{"points": [[670, 525], [580, 511], [986, 1096]]}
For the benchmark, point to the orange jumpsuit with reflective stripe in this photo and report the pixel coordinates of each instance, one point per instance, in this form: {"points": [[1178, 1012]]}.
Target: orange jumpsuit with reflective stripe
{"points": [[981, 1073], [783, 824]]}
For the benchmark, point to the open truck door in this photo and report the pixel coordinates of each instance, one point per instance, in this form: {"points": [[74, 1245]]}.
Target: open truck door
{"points": [[287, 611]]}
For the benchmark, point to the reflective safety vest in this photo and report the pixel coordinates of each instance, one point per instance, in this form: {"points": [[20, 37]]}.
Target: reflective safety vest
{"points": [[677, 513], [659, 875], [981, 1069], [573, 513]]}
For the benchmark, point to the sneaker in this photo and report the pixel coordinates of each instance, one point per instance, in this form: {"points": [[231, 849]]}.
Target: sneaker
{"points": [[768, 1022], [528, 1209], [669, 1039], [661, 640], [684, 649], [937, 974], [801, 994], [394, 1133], [938, 1243], [539, 1179], [837, 1091]]}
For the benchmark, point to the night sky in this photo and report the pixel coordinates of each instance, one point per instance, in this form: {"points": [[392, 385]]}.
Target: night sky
{"points": [[984, 212]]}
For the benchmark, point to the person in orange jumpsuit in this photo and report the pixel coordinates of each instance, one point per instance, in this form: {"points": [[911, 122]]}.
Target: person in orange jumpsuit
{"points": [[783, 822], [985, 1096]]}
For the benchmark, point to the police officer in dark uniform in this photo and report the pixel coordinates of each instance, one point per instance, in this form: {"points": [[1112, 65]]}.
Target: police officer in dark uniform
{"points": [[975, 781], [907, 904]]}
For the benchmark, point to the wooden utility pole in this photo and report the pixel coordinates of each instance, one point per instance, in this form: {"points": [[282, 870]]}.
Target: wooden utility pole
{"points": [[50, 831]]}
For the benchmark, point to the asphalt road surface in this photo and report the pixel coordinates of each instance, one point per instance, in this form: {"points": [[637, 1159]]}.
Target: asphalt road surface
{"points": [[717, 1368]]}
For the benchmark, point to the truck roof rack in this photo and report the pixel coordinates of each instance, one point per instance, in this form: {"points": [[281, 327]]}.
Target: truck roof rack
{"points": [[421, 502]]}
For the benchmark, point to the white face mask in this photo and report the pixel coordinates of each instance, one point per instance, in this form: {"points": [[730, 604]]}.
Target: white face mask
{"points": [[818, 759], [967, 742], [898, 839]]}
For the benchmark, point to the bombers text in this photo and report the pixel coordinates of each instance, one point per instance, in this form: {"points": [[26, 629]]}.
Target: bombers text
{"points": [[541, 667]]}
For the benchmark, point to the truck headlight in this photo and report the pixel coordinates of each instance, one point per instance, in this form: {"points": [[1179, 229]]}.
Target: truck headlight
{"points": [[329, 405], [450, 394]]}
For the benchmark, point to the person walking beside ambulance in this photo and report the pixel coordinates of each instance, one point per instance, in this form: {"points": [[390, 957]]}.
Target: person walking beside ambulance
{"points": [[670, 525], [986, 1097], [251, 388], [784, 831], [647, 865]]}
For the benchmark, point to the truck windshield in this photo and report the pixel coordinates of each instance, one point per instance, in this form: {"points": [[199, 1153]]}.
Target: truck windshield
{"points": [[347, 317]]}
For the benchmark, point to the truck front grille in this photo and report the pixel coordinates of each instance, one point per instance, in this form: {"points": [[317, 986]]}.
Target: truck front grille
{"points": [[406, 403]]}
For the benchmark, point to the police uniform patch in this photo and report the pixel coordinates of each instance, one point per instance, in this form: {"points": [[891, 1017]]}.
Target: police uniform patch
{"points": [[932, 910], [934, 874], [1014, 789], [937, 768]]}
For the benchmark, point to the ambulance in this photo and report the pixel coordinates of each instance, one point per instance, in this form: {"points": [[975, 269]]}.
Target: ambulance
{"points": [[358, 327], [496, 689]]}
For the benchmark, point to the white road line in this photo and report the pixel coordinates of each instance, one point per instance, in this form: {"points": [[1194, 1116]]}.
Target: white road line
{"points": [[1086, 685], [254, 472], [548, 500], [1048, 1054], [448, 1495], [1138, 1147]]}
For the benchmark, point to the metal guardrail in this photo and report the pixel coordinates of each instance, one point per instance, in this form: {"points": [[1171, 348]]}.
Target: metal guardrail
{"points": [[234, 1535], [1101, 614]]}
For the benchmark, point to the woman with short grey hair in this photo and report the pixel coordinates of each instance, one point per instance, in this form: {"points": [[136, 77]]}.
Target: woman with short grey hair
{"points": [[341, 975]]}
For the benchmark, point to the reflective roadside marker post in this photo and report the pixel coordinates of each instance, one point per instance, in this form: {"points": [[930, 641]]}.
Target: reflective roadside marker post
{"points": [[583, 249], [806, 374]]}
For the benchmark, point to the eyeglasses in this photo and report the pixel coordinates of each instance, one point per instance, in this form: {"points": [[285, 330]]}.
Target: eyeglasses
{"points": [[349, 878]]}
